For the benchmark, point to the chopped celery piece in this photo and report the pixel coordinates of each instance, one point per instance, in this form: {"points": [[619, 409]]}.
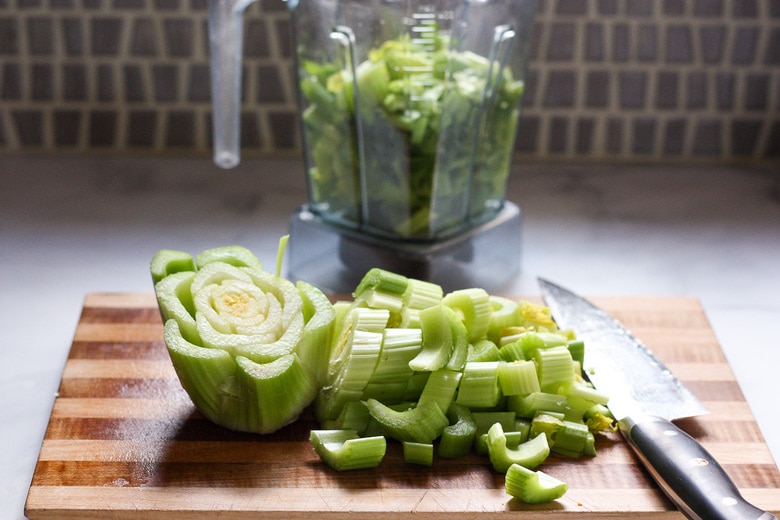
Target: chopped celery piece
{"points": [[475, 308], [437, 344], [440, 388], [457, 438], [423, 423], [572, 439], [555, 367], [381, 280], [528, 406], [533, 486], [518, 378], [484, 350], [418, 453], [577, 349], [479, 385], [529, 454], [504, 315], [485, 420], [460, 341], [354, 416], [583, 391], [344, 450], [512, 351], [390, 379], [547, 424], [168, 261]]}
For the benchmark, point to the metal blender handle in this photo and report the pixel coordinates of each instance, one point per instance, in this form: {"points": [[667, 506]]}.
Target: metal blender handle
{"points": [[226, 35]]}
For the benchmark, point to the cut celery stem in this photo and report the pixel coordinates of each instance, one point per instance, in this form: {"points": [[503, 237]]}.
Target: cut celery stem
{"points": [[474, 306], [479, 385], [422, 424], [440, 388], [518, 378], [528, 454], [418, 453], [533, 486], [344, 450], [457, 438]]}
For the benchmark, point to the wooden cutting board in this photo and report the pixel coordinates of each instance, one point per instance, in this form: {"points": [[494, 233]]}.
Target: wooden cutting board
{"points": [[124, 441]]}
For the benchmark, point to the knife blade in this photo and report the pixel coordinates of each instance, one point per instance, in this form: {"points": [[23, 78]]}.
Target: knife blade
{"points": [[645, 397]]}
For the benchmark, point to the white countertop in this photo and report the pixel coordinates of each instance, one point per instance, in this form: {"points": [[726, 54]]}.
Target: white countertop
{"points": [[70, 225]]}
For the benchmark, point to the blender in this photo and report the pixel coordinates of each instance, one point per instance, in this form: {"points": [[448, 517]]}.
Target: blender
{"points": [[408, 113]]}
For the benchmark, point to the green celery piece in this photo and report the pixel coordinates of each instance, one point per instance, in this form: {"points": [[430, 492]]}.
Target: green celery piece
{"points": [[460, 340], [422, 424], [599, 419], [479, 385], [529, 454], [169, 261], [418, 453], [512, 351], [354, 416], [457, 438], [238, 256], [484, 350], [533, 487], [437, 341], [174, 300], [485, 420], [577, 349], [547, 424], [518, 378], [474, 306], [382, 280], [573, 439], [504, 315], [391, 376], [555, 367], [344, 450], [440, 388], [528, 406]]}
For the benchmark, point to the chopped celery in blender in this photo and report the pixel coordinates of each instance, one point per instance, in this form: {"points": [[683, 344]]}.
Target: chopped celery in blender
{"points": [[437, 129]]}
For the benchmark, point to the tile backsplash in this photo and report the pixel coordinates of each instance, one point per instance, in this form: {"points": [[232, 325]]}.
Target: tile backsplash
{"points": [[628, 79]]}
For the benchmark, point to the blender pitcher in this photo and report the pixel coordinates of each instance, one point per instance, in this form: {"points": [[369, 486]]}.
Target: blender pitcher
{"points": [[408, 112]]}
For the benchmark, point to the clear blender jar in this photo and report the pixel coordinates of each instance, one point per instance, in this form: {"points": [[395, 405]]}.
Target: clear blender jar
{"points": [[408, 112]]}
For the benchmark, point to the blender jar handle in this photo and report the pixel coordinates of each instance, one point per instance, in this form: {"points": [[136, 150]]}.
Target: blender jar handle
{"points": [[226, 35]]}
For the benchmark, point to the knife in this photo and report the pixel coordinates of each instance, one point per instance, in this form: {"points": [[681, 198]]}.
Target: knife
{"points": [[645, 397]]}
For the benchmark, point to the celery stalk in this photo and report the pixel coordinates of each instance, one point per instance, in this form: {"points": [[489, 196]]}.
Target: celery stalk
{"points": [[418, 453], [533, 487], [457, 438], [528, 454], [344, 450], [265, 342], [422, 424]]}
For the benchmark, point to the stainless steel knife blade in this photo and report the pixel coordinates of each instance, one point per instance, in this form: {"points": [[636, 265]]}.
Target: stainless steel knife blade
{"points": [[645, 397]]}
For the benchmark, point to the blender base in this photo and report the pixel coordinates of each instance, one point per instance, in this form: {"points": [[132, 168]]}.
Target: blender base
{"points": [[335, 259]]}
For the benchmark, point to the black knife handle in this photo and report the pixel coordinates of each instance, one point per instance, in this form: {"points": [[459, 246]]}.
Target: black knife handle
{"points": [[686, 472]]}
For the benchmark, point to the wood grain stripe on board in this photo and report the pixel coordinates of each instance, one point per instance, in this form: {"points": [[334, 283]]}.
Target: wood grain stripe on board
{"points": [[123, 435]]}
